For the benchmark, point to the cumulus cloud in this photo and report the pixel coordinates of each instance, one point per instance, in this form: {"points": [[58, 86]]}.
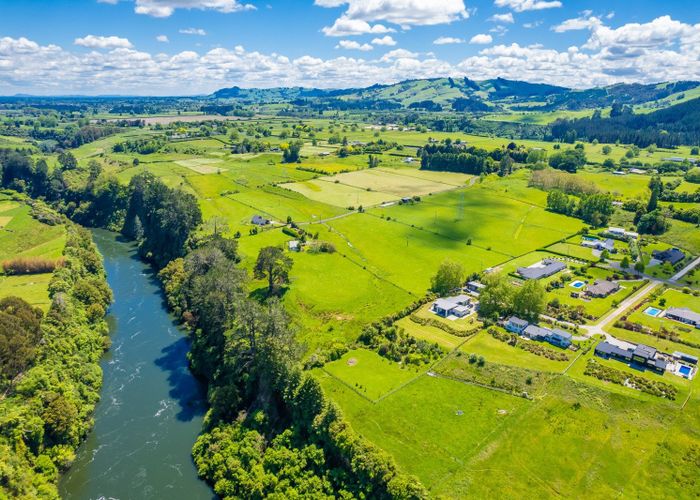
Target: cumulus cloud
{"points": [[502, 18], [661, 49], [103, 42], [481, 39], [523, 5], [349, 27], [353, 45], [162, 38], [584, 22], [385, 40], [447, 40], [165, 8], [405, 13], [193, 31]]}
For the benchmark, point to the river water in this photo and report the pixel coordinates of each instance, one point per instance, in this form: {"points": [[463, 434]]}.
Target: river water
{"points": [[151, 408]]}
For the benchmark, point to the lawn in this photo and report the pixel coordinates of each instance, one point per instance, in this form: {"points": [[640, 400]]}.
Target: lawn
{"points": [[495, 351], [32, 288], [369, 374], [430, 334]]}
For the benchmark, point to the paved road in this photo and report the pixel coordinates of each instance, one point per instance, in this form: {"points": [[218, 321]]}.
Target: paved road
{"points": [[685, 270]]}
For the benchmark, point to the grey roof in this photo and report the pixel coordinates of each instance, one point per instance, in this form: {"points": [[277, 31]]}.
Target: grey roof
{"points": [[644, 351], [537, 332], [562, 334], [546, 268], [612, 350], [259, 220], [476, 284], [684, 313], [685, 356], [517, 321], [449, 303], [660, 363], [672, 255], [603, 287]]}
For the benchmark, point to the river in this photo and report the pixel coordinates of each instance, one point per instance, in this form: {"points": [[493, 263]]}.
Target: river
{"points": [[151, 408]]}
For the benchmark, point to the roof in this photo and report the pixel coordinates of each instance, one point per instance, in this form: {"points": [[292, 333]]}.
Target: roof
{"points": [[537, 332], [672, 255], [616, 230], [451, 302], [602, 287], [684, 313], [660, 363], [683, 355], [542, 269], [561, 334], [644, 351], [259, 219], [476, 284], [514, 320], [612, 350]]}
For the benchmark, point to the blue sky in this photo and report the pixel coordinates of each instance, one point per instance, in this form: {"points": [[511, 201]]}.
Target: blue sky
{"points": [[166, 47]]}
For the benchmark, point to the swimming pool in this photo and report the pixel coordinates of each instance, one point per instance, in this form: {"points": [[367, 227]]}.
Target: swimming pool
{"points": [[685, 371], [578, 284], [652, 311], [589, 238]]}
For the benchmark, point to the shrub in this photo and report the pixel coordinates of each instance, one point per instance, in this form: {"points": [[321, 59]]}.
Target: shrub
{"points": [[32, 265]]}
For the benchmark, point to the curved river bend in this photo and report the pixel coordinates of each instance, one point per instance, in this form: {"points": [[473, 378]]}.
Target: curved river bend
{"points": [[151, 408]]}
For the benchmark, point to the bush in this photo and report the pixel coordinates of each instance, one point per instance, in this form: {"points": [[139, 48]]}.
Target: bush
{"points": [[32, 265]]}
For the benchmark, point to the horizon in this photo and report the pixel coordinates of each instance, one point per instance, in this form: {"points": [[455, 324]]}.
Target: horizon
{"points": [[161, 48]]}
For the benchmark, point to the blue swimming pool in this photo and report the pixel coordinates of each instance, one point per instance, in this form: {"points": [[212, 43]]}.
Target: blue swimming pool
{"points": [[685, 370], [652, 311], [578, 284]]}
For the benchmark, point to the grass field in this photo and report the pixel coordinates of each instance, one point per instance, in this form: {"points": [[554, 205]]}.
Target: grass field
{"points": [[23, 236]]}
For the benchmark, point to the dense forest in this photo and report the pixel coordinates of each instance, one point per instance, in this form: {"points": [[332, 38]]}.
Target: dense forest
{"points": [[669, 127]]}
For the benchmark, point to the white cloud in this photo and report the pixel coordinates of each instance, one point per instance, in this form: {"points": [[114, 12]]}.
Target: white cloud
{"points": [[386, 40], [162, 38], [193, 31], [502, 18], [353, 45], [447, 40], [103, 42], [533, 24], [481, 39], [405, 13], [578, 23], [523, 5], [349, 27], [165, 8], [661, 49]]}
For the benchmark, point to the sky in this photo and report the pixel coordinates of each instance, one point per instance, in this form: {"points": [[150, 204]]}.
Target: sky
{"points": [[194, 47]]}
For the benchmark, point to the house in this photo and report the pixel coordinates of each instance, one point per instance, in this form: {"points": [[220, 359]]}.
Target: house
{"points": [[406, 199], [619, 172], [408, 159], [602, 288], [688, 358], [683, 315], [458, 306], [294, 246], [671, 255], [560, 338], [516, 325], [607, 350], [324, 153], [534, 332], [601, 245], [259, 220], [475, 287], [543, 269], [679, 159], [641, 355], [617, 231], [631, 235], [637, 171]]}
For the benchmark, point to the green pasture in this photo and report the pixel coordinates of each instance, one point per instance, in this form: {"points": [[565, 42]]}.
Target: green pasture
{"points": [[429, 334], [369, 374]]}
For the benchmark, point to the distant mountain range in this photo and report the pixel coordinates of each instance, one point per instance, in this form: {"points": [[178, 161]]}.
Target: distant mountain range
{"points": [[464, 94]]}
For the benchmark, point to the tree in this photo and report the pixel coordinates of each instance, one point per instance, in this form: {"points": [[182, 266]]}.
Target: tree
{"points": [[639, 266], [606, 150], [496, 297], [625, 262], [67, 160], [291, 151], [450, 276], [653, 222], [656, 187], [529, 301], [561, 203], [274, 265], [505, 166], [596, 209], [570, 160], [19, 336]]}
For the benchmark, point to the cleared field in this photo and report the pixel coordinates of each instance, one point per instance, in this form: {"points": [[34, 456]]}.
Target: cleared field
{"points": [[395, 182], [429, 333], [338, 194], [32, 288], [369, 374]]}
